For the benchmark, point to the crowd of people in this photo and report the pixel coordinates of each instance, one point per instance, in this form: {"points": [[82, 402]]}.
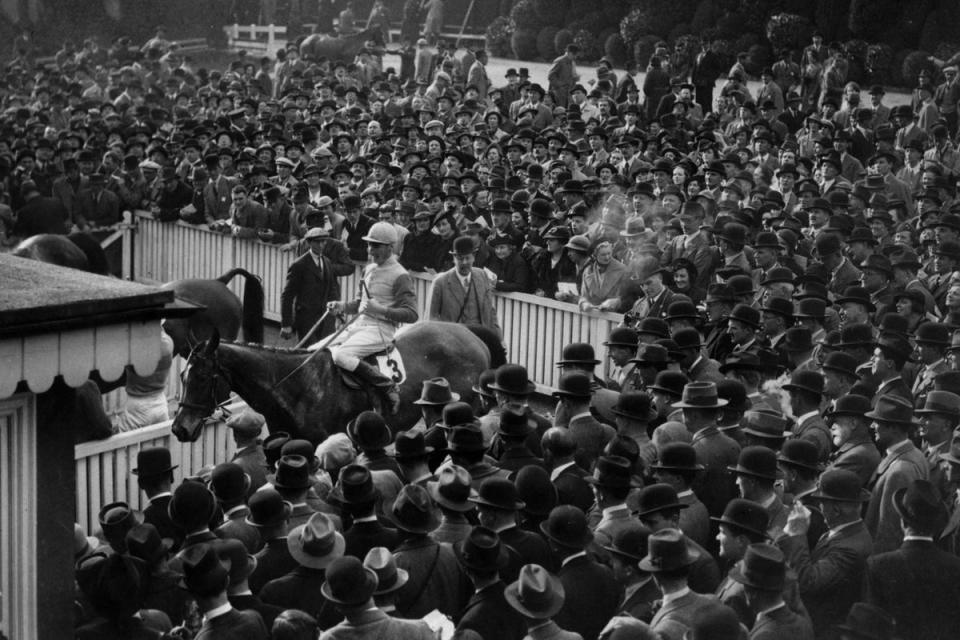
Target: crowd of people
{"points": [[772, 453]]}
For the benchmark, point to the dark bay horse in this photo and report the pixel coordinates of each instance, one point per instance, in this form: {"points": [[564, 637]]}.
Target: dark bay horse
{"points": [[301, 392], [222, 311], [78, 251], [345, 48]]}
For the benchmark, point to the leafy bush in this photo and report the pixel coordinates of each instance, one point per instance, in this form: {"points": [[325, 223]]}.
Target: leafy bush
{"points": [[758, 57], [616, 49], [755, 13], [940, 27], [613, 11], [498, 37], [655, 16], [730, 26], [634, 25], [505, 7], [561, 39], [913, 64], [593, 21], [682, 30], [788, 31], [705, 16], [545, 43], [590, 45], [744, 42], [869, 18], [643, 48], [551, 12], [525, 17], [831, 19], [523, 42]]}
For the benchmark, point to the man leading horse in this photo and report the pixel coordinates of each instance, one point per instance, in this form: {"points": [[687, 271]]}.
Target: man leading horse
{"points": [[387, 299]]}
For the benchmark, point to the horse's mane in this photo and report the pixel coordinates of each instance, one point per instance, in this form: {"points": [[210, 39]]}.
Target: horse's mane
{"points": [[263, 347]]}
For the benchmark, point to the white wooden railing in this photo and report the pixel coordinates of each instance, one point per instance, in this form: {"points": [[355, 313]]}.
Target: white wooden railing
{"points": [[263, 40]]}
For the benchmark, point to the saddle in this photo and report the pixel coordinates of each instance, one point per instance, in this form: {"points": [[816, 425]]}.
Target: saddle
{"points": [[387, 360]]}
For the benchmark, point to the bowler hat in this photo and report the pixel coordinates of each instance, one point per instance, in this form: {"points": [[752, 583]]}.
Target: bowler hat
{"points": [[635, 405], [756, 461], [390, 577], [578, 353], [567, 526], [630, 543], [670, 383], [229, 482], [536, 490], [840, 485], [668, 550], [153, 461], [436, 391], [777, 275], [798, 340], [780, 306], [355, 486], [942, 403], [513, 379], [514, 425], [191, 506], [613, 472], [248, 423], [933, 333], [293, 473], [348, 582], [764, 423], [805, 380], [714, 621], [658, 497], [688, 338], [410, 445], [682, 309], [895, 344], [652, 354], [655, 327], [743, 361], [203, 572], [827, 244], [862, 234], [457, 414], [316, 543], [574, 384], [700, 395], [463, 246], [677, 456], [720, 293], [920, 504], [537, 593], [799, 453], [734, 233], [481, 550], [858, 295], [267, 508], [413, 511], [856, 335], [851, 404], [465, 439], [949, 249], [369, 431], [746, 314], [815, 308], [622, 337], [742, 285], [866, 621], [499, 493], [764, 567], [767, 239], [877, 262], [452, 489], [743, 515]]}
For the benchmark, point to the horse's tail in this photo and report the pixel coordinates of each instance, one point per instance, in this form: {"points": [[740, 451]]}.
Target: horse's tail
{"points": [[498, 353], [252, 322]]}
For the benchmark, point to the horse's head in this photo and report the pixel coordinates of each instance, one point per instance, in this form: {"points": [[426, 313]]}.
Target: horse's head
{"points": [[203, 387]]}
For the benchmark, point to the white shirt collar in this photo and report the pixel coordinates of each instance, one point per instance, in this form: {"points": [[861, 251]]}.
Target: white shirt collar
{"points": [[568, 559], [558, 470], [160, 495], [676, 595], [217, 612], [808, 414], [581, 415]]}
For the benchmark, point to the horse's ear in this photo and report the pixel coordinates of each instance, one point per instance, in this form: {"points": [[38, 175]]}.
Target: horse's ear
{"points": [[213, 342]]}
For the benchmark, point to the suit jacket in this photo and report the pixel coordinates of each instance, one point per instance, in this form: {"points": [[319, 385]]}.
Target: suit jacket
{"points": [[254, 463], [924, 381], [673, 619], [273, 561], [489, 614], [695, 520], [814, 429], [715, 451], [573, 489], [363, 536], [846, 275], [374, 624], [449, 302], [657, 308], [549, 630], [705, 370], [158, 515], [102, 212], [640, 603], [893, 387], [591, 437], [306, 292], [919, 585], [831, 574], [268, 612], [592, 597], [234, 624], [782, 624], [436, 580], [236, 527], [897, 470], [860, 456], [300, 589]]}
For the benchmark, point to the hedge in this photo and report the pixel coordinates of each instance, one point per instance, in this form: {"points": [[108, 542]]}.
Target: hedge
{"points": [[523, 42], [545, 42], [498, 37]]}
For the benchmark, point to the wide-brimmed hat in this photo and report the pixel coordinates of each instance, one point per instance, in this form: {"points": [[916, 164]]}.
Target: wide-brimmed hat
{"points": [[941, 402], [868, 622], [267, 508], [191, 506], [575, 384], [513, 379], [369, 431], [153, 461], [743, 515], [293, 473], [537, 593], [410, 445], [700, 395], [203, 572], [764, 423], [677, 456], [764, 567], [668, 550], [465, 439], [613, 472], [413, 511], [800, 453], [348, 582], [567, 527], [355, 486], [658, 497], [578, 353], [756, 461], [452, 489], [891, 409], [316, 543], [840, 485], [390, 577], [806, 380], [634, 404], [920, 504], [436, 391]]}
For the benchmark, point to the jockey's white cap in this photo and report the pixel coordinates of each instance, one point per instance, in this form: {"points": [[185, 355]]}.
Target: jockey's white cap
{"points": [[382, 233]]}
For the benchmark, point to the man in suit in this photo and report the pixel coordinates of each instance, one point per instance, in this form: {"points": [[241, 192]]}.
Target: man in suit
{"points": [[357, 496], [902, 464], [918, 584], [311, 283], [269, 513], [669, 558], [763, 574], [568, 477], [464, 294], [477, 75], [938, 418], [538, 596], [592, 593], [806, 393], [229, 484], [350, 587], [482, 557], [696, 364], [932, 340], [844, 272], [890, 354], [497, 505], [562, 74], [640, 592], [574, 392], [830, 574], [850, 432], [657, 296], [246, 427], [612, 481], [155, 477]]}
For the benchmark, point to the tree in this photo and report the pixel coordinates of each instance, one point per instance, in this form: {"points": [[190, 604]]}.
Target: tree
{"points": [[788, 31]]}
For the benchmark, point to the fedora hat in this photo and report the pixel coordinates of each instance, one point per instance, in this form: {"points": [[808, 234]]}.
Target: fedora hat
{"points": [[941, 402], [413, 510], [191, 506], [764, 423], [892, 409], [777, 275], [634, 404], [348, 582], [677, 456], [858, 295], [369, 431], [668, 550], [700, 395], [293, 473], [410, 445], [390, 577], [465, 439], [764, 567], [658, 497], [143, 541], [868, 622], [933, 333], [456, 414], [575, 384], [481, 550], [153, 461], [877, 262], [840, 485], [355, 486], [567, 527], [578, 353], [799, 453], [316, 543], [622, 337], [536, 490], [746, 314], [514, 425], [203, 571], [756, 461], [537, 593], [268, 508], [851, 404], [436, 391], [499, 493], [826, 243], [670, 383], [452, 489], [805, 380], [745, 516], [229, 482], [921, 504], [630, 543], [842, 363], [513, 379], [613, 472]]}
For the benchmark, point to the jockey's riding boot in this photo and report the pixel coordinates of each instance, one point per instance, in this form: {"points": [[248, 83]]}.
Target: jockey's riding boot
{"points": [[388, 387]]}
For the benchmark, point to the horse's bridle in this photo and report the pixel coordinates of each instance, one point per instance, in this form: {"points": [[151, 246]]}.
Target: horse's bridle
{"points": [[211, 407]]}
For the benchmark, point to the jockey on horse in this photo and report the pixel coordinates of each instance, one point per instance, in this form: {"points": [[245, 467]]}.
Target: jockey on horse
{"points": [[387, 299]]}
